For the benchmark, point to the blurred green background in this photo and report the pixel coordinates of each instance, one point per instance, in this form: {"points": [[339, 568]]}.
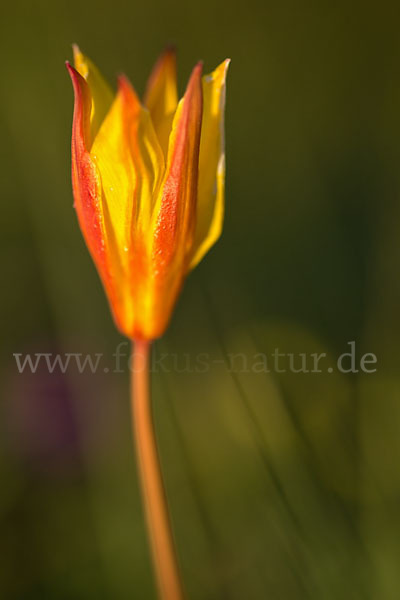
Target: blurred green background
{"points": [[281, 485]]}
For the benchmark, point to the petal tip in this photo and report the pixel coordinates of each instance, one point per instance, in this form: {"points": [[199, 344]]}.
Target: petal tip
{"points": [[169, 50], [195, 77], [127, 92], [224, 67], [71, 70], [123, 80], [124, 85], [74, 74], [196, 73], [194, 86]]}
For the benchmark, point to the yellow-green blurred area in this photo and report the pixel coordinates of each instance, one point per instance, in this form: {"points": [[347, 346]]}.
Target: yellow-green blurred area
{"points": [[282, 486]]}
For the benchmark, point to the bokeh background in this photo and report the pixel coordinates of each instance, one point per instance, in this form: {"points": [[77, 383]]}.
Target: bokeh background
{"points": [[281, 485]]}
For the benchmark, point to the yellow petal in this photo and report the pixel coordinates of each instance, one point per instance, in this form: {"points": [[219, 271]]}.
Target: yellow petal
{"points": [[102, 95], [131, 166], [211, 188], [112, 155], [147, 156], [161, 96], [130, 162]]}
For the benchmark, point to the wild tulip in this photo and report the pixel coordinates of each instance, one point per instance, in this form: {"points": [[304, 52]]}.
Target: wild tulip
{"points": [[148, 182]]}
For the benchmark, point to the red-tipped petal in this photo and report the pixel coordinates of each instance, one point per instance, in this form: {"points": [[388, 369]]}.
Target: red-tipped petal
{"points": [[179, 191], [87, 189], [175, 210]]}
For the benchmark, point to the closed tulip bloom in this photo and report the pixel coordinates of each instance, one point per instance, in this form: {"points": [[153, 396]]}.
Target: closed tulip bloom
{"points": [[148, 183]]}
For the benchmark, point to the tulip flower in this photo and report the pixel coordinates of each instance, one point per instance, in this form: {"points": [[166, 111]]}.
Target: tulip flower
{"points": [[148, 183]]}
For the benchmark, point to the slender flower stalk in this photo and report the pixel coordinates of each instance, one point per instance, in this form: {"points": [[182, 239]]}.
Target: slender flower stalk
{"points": [[158, 521], [148, 181]]}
